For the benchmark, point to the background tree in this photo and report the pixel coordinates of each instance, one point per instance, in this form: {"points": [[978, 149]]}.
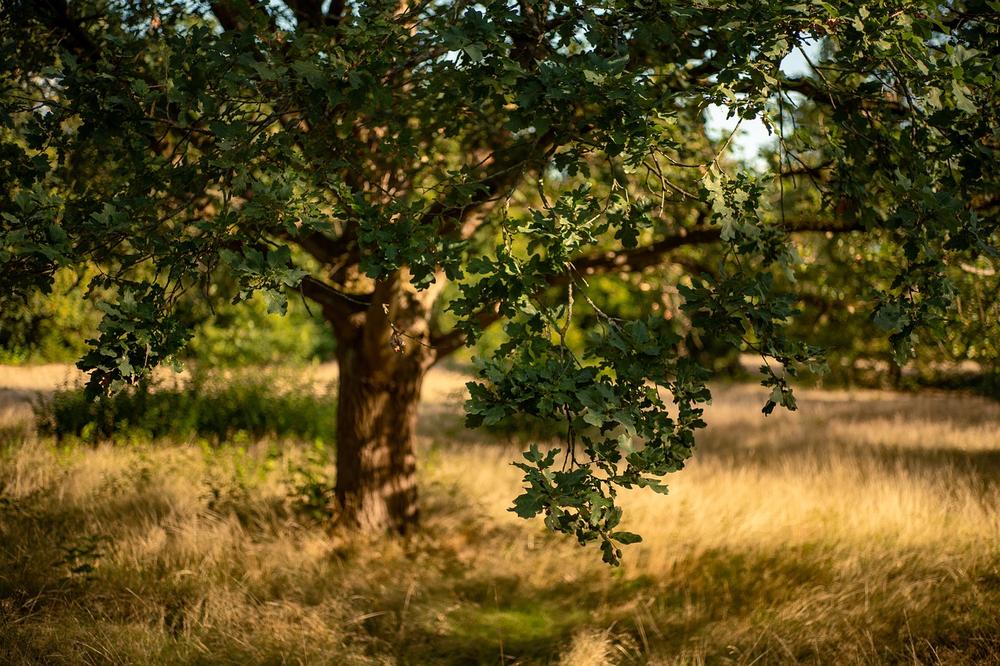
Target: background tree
{"points": [[367, 154]]}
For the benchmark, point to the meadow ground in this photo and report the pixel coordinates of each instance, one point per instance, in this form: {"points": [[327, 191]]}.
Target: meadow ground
{"points": [[864, 528]]}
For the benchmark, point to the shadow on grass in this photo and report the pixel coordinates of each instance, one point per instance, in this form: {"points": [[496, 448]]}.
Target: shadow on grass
{"points": [[466, 589]]}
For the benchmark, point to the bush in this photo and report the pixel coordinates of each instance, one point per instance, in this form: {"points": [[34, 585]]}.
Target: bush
{"points": [[53, 328], [218, 408], [246, 334], [50, 328]]}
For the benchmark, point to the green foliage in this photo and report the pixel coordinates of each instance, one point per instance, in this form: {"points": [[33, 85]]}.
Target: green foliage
{"points": [[216, 408], [55, 328], [312, 492], [131, 335], [247, 334], [52, 328], [361, 153]]}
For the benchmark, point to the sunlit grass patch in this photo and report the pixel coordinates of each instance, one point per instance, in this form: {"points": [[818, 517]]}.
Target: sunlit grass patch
{"points": [[802, 537]]}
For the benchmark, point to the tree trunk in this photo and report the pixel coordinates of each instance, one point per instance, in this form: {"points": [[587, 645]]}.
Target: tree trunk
{"points": [[376, 418]]}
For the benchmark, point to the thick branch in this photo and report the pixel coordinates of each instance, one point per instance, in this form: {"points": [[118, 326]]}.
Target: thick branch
{"points": [[336, 304], [327, 251], [507, 170], [307, 12], [622, 261], [227, 15], [834, 97], [636, 259], [335, 11], [446, 344], [232, 14], [55, 13]]}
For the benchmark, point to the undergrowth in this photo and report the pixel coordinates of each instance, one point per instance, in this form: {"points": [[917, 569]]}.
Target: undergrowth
{"points": [[859, 530], [217, 407]]}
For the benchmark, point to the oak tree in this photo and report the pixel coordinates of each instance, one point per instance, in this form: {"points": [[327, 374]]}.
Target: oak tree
{"points": [[419, 170]]}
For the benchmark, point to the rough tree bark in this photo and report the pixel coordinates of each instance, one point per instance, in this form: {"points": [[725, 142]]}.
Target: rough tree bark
{"points": [[376, 463], [383, 355]]}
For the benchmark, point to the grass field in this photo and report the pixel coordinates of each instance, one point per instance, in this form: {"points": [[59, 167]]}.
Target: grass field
{"points": [[864, 528]]}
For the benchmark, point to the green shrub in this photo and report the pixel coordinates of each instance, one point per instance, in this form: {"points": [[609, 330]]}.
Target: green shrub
{"points": [[217, 407], [247, 334], [53, 328], [312, 490], [50, 328]]}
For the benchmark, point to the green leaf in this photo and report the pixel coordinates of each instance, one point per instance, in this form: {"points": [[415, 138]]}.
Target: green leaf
{"points": [[626, 537], [474, 51]]}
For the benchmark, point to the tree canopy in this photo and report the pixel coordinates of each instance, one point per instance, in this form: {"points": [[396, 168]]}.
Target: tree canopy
{"points": [[365, 155]]}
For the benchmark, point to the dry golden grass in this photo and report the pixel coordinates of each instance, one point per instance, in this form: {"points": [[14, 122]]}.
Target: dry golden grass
{"points": [[863, 529]]}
